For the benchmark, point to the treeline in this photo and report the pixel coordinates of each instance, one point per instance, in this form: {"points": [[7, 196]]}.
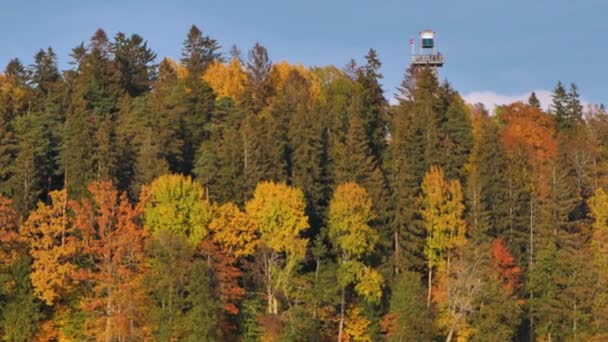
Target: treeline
{"points": [[225, 197]]}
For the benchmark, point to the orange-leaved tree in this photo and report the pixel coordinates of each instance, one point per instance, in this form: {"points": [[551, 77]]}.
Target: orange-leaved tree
{"points": [[504, 264], [533, 131], [112, 241], [233, 236]]}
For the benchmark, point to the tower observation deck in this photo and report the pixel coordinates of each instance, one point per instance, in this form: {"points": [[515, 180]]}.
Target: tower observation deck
{"points": [[427, 56]]}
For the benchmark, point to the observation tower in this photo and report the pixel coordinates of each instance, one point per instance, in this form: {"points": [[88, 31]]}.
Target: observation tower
{"points": [[427, 56]]}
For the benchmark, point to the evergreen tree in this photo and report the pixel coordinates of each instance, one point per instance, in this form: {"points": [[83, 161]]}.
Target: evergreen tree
{"points": [[258, 68], [487, 185], [498, 310], [198, 101], [44, 71], [77, 148], [458, 138], [306, 147], [21, 313], [134, 62], [15, 69], [219, 164], [199, 51], [533, 101], [373, 105], [415, 145], [31, 163], [408, 318], [573, 106], [149, 163], [559, 106]]}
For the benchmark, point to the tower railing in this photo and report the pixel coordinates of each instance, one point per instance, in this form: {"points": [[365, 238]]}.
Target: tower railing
{"points": [[434, 59]]}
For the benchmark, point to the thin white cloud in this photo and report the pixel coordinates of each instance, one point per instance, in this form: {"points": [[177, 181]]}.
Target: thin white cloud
{"points": [[491, 99]]}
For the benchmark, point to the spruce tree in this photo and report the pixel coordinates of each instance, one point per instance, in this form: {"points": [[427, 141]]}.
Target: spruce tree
{"points": [[533, 101], [458, 138], [219, 160], [487, 185], [21, 314], [134, 61], [258, 67], [415, 146], [199, 51], [559, 106], [15, 68], [408, 317], [31, 163], [573, 106], [306, 157], [44, 71], [77, 149], [373, 105]]}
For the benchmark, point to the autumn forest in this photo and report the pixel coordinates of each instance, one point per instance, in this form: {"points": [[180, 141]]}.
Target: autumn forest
{"points": [[224, 196]]}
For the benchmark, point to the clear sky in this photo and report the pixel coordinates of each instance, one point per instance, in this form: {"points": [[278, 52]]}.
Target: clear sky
{"points": [[496, 50]]}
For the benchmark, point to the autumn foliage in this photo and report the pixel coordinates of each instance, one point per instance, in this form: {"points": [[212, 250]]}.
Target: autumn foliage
{"points": [[504, 264]]}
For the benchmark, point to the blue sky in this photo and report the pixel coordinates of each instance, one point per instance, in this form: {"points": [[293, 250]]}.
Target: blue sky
{"points": [[496, 51]]}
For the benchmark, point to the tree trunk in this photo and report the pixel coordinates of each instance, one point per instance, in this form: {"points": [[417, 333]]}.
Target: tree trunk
{"points": [[342, 306], [108, 332], [450, 335], [397, 256], [428, 299], [530, 264]]}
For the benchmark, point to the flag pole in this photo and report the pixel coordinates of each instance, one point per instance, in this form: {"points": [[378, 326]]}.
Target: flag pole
{"points": [[413, 46]]}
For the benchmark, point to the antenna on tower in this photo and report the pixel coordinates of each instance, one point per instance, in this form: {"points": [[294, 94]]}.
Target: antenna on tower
{"points": [[427, 56]]}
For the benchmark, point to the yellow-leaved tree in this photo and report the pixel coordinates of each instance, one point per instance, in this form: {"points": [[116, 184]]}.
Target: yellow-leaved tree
{"points": [[228, 80], [53, 247], [280, 73], [350, 212], [177, 204], [357, 326], [278, 212], [234, 230], [441, 209]]}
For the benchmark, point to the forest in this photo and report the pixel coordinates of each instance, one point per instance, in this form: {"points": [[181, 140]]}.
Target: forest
{"points": [[225, 196]]}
